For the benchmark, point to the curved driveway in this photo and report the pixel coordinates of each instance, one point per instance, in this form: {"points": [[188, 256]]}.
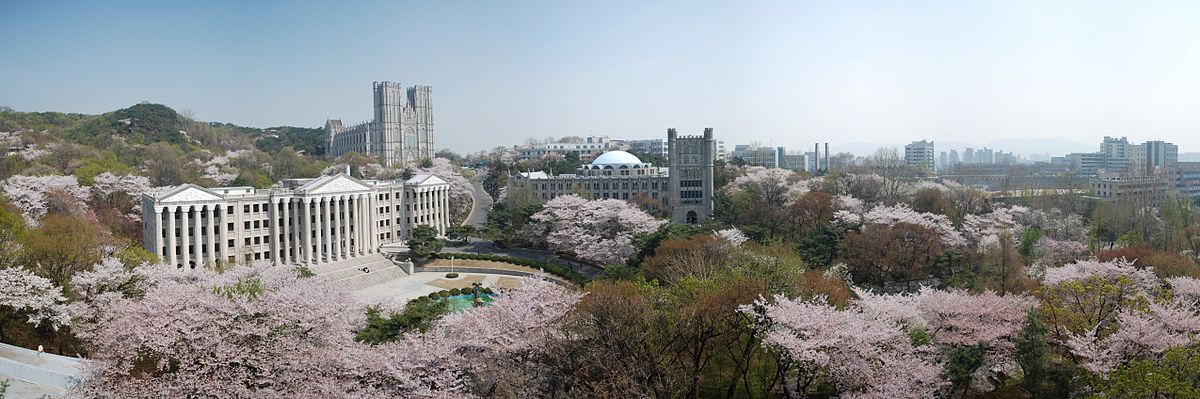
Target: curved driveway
{"points": [[482, 202]]}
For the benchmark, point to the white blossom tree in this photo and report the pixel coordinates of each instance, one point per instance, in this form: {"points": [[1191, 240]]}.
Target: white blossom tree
{"points": [[598, 230], [29, 193]]}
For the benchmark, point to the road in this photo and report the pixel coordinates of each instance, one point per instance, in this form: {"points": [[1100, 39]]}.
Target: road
{"points": [[482, 202], [477, 246]]}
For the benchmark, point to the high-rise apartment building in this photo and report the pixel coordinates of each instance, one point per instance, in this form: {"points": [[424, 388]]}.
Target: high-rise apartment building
{"points": [[920, 154]]}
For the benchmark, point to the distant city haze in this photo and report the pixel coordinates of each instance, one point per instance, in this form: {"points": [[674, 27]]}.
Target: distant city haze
{"points": [[787, 73]]}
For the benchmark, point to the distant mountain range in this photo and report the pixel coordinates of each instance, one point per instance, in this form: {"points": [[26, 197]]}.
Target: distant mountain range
{"points": [[1056, 146]]}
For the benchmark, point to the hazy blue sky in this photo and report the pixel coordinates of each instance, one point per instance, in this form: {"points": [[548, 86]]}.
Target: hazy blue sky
{"points": [[788, 73]]}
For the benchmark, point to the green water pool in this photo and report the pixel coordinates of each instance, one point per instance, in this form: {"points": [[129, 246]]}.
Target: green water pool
{"points": [[461, 302]]}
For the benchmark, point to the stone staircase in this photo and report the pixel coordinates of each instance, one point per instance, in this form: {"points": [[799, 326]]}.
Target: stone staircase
{"points": [[348, 274], [58, 372]]}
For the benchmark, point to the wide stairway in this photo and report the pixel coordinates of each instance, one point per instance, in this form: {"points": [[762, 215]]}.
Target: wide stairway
{"points": [[349, 274]]}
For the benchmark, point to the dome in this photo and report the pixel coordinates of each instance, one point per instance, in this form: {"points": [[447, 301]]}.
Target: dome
{"points": [[616, 158]]}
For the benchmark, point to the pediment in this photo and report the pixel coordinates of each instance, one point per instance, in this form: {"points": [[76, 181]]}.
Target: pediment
{"points": [[335, 184], [189, 193]]}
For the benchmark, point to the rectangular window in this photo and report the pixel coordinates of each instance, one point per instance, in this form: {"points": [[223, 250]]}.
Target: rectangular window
{"points": [[255, 207], [245, 208], [246, 225]]}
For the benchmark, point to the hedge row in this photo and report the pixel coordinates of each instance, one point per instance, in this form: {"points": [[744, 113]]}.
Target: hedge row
{"points": [[557, 270]]}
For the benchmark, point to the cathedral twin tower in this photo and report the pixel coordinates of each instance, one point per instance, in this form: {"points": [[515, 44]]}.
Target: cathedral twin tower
{"points": [[401, 133]]}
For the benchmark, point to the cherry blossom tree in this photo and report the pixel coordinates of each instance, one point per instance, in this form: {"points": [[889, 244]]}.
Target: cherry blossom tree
{"points": [[781, 180], [901, 213], [598, 230], [30, 193], [122, 191], [955, 318], [261, 331], [731, 235], [865, 356], [23, 292], [1139, 335]]}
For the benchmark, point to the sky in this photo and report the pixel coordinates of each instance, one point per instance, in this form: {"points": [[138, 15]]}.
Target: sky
{"points": [[783, 73]]}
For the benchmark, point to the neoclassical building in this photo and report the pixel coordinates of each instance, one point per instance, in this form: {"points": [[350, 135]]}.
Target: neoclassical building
{"points": [[400, 134], [684, 188], [298, 221]]}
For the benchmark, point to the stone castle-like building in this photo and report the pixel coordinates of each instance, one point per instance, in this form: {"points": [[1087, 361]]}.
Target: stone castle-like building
{"points": [[684, 188], [401, 133]]}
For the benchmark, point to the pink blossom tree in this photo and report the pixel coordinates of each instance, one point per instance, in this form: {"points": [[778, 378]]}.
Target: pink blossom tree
{"points": [[29, 193], [901, 213], [1139, 335], [261, 331], [122, 192], [597, 230], [955, 318], [24, 293], [865, 356], [782, 180]]}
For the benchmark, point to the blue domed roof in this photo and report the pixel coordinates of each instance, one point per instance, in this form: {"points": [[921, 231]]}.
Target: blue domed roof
{"points": [[616, 158]]}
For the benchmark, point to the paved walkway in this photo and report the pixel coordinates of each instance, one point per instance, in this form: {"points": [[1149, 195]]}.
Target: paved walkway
{"points": [[417, 285], [482, 202]]}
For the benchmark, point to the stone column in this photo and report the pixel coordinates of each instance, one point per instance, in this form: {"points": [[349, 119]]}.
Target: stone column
{"points": [[335, 217], [306, 214], [318, 211], [360, 224], [185, 235], [197, 239], [170, 256], [272, 230], [372, 230], [212, 228], [285, 241], [159, 239], [222, 235]]}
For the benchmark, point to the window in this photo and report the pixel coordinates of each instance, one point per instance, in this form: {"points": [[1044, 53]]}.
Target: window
{"points": [[230, 228], [256, 224], [256, 207], [247, 240], [245, 208], [246, 225], [229, 210]]}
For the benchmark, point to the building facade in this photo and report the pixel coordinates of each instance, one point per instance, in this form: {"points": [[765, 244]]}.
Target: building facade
{"points": [[691, 176], [1142, 190], [589, 146], [652, 147], [684, 188], [402, 132], [920, 154], [298, 221]]}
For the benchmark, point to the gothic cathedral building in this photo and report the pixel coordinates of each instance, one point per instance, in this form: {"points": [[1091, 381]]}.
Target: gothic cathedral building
{"points": [[401, 133]]}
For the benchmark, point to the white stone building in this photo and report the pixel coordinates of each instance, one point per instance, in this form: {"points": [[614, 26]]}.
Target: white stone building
{"points": [[298, 221], [400, 134], [588, 146], [685, 189]]}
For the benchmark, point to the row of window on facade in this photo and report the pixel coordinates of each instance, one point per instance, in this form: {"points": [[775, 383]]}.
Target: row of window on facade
{"points": [[601, 186]]}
